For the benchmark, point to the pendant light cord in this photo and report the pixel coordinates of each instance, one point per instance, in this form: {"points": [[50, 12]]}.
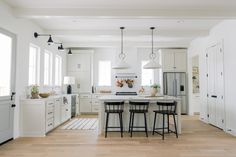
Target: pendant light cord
{"points": [[122, 55], [152, 55]]}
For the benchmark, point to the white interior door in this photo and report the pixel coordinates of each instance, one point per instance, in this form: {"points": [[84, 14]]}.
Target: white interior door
{"points": [[215, 86], [211, 85], [7, 79]]}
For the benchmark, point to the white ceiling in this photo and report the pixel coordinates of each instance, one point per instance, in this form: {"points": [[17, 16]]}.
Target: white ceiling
{"points": [[96, 22], [126, 4]]}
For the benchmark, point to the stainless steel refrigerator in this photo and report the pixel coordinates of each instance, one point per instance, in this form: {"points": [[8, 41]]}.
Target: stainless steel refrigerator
{"points": [[175, 84]]}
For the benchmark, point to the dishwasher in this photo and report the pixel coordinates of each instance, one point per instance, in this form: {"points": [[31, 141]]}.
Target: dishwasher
{"points": [[73, 105]]}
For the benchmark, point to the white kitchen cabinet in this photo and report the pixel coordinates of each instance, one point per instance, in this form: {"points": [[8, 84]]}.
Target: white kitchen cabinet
{"points": [[57, 111], [174, 60], [39, 116], [85, 104], [79, 61], [80, 65]]}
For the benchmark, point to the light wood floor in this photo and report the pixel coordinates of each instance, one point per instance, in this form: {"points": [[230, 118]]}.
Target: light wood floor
{"points": [[198, 140]]}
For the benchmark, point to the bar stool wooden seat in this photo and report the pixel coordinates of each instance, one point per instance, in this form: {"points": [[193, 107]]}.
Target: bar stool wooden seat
{"points": [[136, 107], [165, 109], [116, 107]]}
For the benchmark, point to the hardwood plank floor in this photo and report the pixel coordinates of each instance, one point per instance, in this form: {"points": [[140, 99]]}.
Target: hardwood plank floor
{"points": [[198, 140]]}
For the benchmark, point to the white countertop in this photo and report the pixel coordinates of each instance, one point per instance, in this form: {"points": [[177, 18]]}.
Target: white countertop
{"points": [[137, 97]]}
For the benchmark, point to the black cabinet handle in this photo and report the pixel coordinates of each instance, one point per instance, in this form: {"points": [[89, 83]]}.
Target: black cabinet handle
{"points": [[214, 96], [12, 95], [13, 105]]}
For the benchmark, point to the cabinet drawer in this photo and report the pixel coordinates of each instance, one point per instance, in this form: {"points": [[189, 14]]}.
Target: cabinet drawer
{"points": [[49, 124], [95, 108], [96, 96], [95, 102], [85, 96], [50, 113], [50, 104]]}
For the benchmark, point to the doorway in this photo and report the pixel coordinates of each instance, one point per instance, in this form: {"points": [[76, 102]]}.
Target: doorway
{"points": [[7, 84], [195, 85]]}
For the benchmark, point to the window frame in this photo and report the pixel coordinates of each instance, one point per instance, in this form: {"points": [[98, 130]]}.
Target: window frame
{"points": [[50, 65], [59, 71], [37, 65], [152, 80]]}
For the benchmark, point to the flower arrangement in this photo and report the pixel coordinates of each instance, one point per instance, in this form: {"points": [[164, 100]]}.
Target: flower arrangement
{"points": [[34, 92], [155, 88], [155, 85]]}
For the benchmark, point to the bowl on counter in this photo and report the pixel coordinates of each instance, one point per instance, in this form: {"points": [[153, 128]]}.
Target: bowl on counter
{"points": [[44, 95]]}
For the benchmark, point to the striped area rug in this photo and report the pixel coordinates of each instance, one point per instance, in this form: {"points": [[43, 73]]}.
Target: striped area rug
{"points": [[82, 124]]}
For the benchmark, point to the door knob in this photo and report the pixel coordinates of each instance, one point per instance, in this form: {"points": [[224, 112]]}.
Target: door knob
{"points": [[13, 105]]}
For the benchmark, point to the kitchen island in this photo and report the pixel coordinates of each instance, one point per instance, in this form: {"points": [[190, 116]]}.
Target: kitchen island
{"points": [[138, 120]]}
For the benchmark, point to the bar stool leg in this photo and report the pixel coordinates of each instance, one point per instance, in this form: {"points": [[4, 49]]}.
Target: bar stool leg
{"points": [[168, 123], [120, 118], [107, 120], [163, 127], [154, 124], [132, 125], [176, 131], [145, 120], [130, 116]]}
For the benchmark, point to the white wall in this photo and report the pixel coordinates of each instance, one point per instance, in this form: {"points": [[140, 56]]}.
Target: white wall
{"points": [[23, 29], [223, 31], [134, 56]]}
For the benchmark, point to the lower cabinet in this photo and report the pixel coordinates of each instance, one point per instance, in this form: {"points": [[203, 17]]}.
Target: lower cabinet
{"points": [[39, 116], [85, 105], [57, 111], [89, 103]]}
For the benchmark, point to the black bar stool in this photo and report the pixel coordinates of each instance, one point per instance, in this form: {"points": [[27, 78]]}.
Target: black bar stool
{"points": [[114, 108], [138, 108], [166, 109]]}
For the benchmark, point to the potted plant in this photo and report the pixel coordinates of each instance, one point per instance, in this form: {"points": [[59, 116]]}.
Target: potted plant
{"points": [[34, 92], [155, 88]]}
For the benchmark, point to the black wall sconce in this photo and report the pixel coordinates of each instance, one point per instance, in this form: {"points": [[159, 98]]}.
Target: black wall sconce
{"points": [[69, 52], [60, 48], [50, 41]]}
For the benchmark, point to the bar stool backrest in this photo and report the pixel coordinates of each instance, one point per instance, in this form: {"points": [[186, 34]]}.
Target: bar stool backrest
{"points": [[139, 106], [168, 106], [115, 106]]}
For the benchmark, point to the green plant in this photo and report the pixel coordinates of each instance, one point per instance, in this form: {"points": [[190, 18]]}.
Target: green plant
{"points": [[35, 89], [155, 85]]}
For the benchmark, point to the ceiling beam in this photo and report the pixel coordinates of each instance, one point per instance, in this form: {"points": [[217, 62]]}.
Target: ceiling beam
{"points": [[122, 13], [129, 44], [164, 33]]}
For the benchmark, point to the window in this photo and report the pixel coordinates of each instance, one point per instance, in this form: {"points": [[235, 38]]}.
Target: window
{"points": [[47, 68], [58, 70], [5, 64], [34, 62], [147, 75], [104, 73]]}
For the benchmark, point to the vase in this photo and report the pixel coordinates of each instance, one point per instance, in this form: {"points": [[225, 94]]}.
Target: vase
{"points": [[154, 92], [34, 95]]}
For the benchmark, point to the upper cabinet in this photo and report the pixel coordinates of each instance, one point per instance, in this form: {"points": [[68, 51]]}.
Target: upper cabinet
{"points": [[80, 65], [174, 60], [79, 62]]}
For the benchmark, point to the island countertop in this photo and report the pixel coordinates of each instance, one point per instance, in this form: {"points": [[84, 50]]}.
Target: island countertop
{"points": [[128, 98]]}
